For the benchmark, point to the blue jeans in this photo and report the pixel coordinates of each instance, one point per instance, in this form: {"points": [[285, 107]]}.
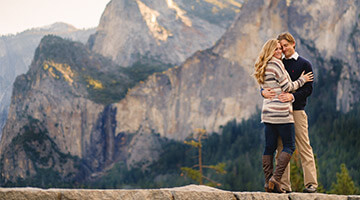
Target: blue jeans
{"points": [[272, 133]]}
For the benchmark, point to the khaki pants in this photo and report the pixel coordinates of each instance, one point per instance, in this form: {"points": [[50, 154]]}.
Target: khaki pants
{"points": [[302, 143]]}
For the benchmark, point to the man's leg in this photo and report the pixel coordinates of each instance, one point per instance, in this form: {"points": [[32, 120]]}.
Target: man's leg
{"points": [[285, 179], [305, 150]]}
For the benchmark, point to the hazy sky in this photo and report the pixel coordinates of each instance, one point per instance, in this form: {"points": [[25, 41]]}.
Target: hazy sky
{"points": [[19, 15]]}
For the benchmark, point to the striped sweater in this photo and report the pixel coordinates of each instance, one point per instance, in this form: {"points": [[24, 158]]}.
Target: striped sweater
{"points": [[276, 77]]}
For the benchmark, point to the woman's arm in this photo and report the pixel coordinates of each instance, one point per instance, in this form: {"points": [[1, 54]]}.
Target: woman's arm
{"points": [[282, 78]]}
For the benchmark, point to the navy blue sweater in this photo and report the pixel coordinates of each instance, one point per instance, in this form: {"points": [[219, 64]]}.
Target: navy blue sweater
{"points": [[295, 68]]}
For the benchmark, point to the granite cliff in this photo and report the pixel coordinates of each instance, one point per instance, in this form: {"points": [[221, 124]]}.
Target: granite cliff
{"points": [[17, 51], [166, 30], [55, 110]]}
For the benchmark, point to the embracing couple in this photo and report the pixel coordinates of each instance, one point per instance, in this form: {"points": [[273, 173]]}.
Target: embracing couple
{"points": [[286, 82]]}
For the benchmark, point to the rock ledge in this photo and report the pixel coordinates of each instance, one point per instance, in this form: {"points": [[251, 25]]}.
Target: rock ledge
{"points": [[190, 192]]}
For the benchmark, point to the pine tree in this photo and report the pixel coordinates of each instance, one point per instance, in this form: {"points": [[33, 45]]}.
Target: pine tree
{"points": [[198, 175], [344, 183]]}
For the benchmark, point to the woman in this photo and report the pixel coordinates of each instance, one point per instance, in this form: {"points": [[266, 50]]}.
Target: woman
{"points": [[276, 115]]}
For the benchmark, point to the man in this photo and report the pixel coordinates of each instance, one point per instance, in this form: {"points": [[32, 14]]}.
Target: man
{"points": [[295, 65]]}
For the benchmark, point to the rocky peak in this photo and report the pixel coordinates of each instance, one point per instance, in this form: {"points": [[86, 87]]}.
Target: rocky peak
{"points": [[162, 30], [59, 27], [17, 52], [63, 91]]}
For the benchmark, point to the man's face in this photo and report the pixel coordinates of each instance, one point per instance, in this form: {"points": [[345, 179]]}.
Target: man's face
{"points": [[288, 48]]}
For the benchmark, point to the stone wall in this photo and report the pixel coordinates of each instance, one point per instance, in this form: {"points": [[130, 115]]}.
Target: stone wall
{"points": [[190, 192]]}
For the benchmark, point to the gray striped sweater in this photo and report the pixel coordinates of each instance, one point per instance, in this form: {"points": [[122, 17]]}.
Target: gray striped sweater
{"points": [[276, 77]]}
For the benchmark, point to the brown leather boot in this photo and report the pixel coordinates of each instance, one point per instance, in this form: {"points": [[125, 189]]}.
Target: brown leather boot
{"points": [[267, 163], [282, 162]]}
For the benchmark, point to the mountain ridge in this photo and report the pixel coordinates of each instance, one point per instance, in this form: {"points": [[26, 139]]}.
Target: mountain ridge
{"points": [[16, 54]]}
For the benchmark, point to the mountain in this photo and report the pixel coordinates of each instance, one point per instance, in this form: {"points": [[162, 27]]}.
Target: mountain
{"points": [[17, 51], [61, 98], [101, 89], [54, 117], [166, 30]]}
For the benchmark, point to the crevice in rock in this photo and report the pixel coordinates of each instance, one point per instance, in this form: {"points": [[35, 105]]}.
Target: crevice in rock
{"points": [[172, 195]]}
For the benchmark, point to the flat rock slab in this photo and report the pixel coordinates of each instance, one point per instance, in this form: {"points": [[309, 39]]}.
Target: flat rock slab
{"points": [[190, 192]]}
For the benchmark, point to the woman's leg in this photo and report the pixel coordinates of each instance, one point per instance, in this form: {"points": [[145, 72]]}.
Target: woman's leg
{"points": [[287, 134], [268, 156], [271, 136]]}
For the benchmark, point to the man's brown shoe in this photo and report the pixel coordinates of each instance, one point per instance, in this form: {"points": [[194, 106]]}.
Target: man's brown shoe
{"points": [[309, 189]]}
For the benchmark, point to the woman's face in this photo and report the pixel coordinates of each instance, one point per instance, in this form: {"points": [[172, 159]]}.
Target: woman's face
{"points": [[278, 51]]}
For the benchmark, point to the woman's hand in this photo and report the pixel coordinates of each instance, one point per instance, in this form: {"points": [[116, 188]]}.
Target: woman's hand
{"points": [[308, 77], [286, 97], [268, 93]]}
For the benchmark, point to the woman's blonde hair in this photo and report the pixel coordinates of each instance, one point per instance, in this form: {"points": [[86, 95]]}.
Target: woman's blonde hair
{"points": [[265, 55]]}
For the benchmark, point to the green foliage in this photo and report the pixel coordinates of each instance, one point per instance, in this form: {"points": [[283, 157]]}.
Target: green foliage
{"points": [[117, 82], [191, 173], [119, 177], [219, 168], [144, 67], [115, 85], [193, 143], [44, 178], [344, 183]]}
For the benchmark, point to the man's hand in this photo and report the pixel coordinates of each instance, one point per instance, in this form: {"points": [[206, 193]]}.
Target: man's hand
{"points": [[286, 97], [268, 93]]}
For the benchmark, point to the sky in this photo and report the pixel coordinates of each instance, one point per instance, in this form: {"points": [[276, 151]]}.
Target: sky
{"points": [[19, 15]]}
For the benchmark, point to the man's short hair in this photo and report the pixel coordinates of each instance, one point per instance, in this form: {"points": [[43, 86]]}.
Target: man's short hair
{"points": [[286, 36]]}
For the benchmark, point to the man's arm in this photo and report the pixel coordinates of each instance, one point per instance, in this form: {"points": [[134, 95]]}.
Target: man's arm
{"points": [[302, 93]]}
